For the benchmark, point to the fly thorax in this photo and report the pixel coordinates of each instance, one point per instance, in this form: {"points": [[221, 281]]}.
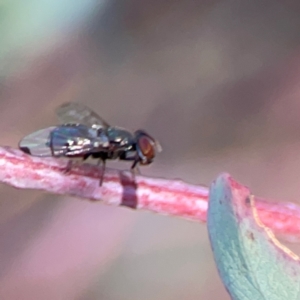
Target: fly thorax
{"points": [[119, 136]]}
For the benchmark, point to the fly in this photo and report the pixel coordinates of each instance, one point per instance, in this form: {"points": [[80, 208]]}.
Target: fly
{"points": [[84, 134]]}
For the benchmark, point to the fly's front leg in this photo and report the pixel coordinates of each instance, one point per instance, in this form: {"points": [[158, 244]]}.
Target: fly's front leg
{"points": [[131, 156], [135, 168]]}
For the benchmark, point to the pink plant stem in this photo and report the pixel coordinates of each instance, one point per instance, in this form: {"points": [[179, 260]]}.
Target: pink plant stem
{"points": [[120, 188]]}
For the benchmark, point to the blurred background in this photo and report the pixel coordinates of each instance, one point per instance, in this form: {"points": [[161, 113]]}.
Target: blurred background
{"points": [[216, 82]]}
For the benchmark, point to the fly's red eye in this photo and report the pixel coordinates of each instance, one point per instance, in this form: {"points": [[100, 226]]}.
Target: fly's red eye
{"points": [[146, 147]]}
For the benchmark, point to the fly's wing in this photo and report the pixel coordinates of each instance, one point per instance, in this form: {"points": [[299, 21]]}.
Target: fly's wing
{"points": [[77, 113], [76, 141], [37, 143]]}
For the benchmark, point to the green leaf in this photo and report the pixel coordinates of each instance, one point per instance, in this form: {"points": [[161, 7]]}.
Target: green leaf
{"points": [[253, 265]]}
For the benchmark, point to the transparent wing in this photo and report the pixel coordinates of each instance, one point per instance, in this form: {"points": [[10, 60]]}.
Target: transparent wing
{"points": [[37, 143], [76, 140], [77, 113]]}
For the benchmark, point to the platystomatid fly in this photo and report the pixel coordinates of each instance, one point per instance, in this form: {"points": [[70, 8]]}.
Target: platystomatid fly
{"points": [[84, 134]]}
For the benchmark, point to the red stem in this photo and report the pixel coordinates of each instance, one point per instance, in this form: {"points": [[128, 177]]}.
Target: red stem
{"points": [[167, 197]]}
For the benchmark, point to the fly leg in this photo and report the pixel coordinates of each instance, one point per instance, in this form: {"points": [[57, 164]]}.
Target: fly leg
{"points": [[103, 161], [138, 171], [135, 169], [72, 163], [68, 167], [131, 156]]}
